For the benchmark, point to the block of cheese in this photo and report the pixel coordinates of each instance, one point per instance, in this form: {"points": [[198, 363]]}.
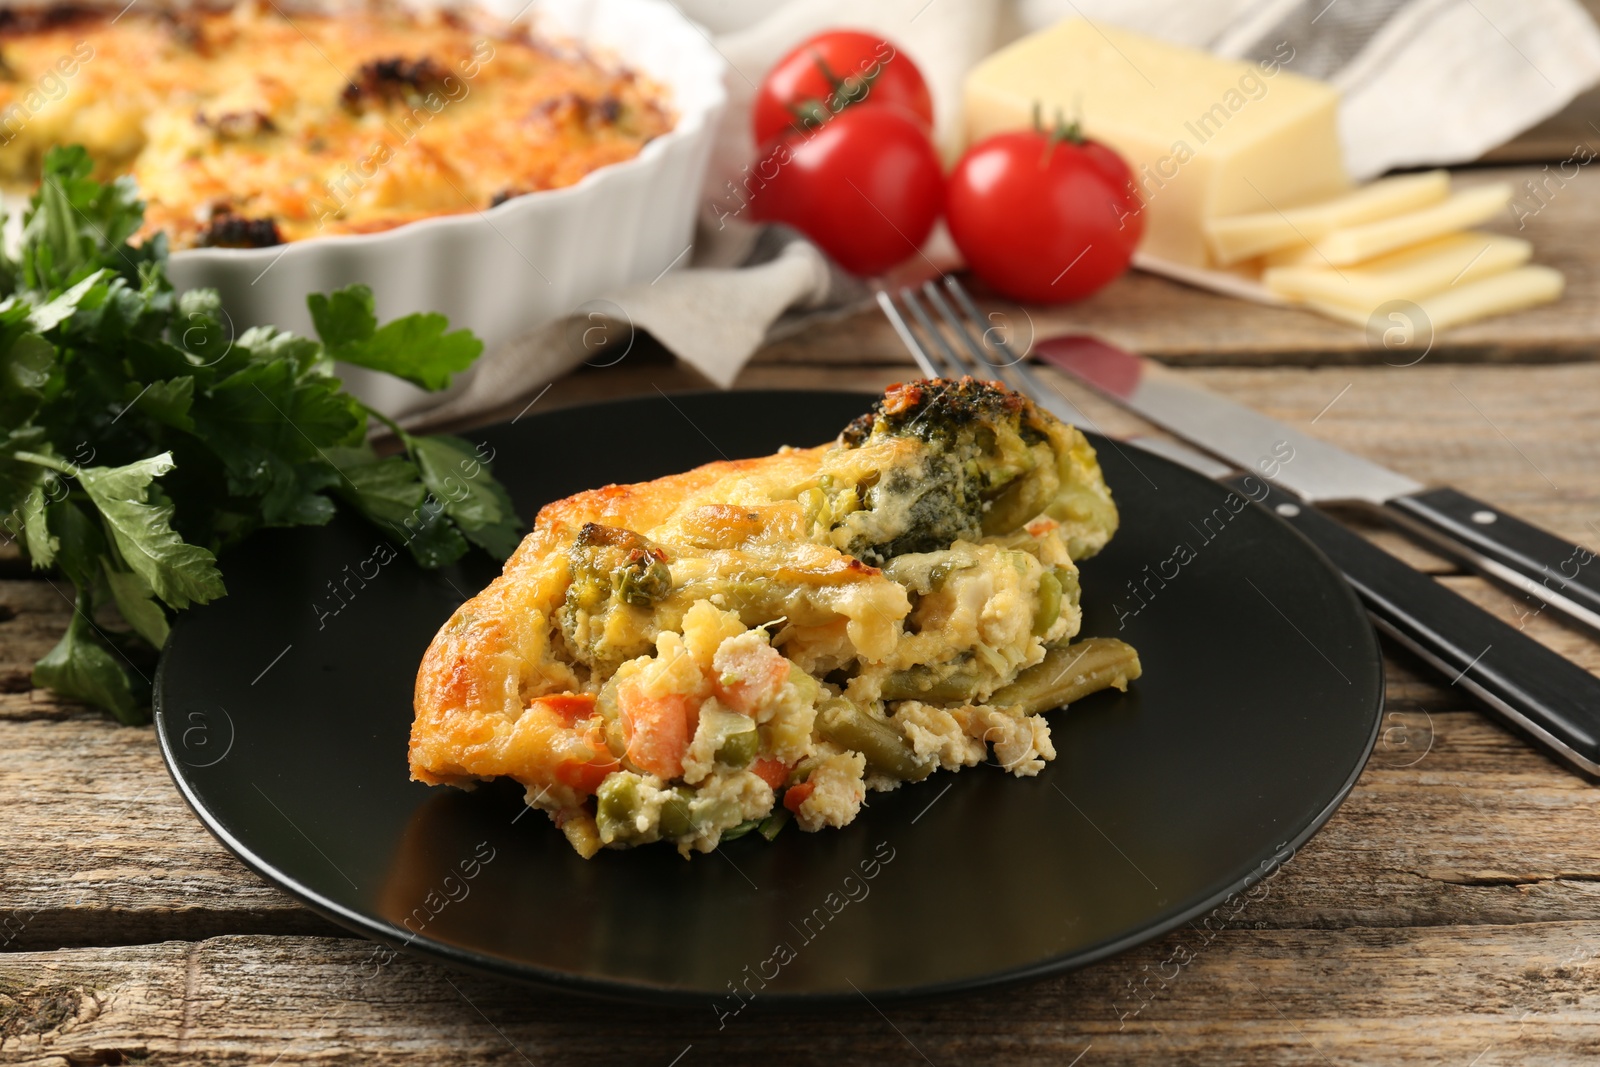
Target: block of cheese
{"points": [[1409, 274], [1205, 137], [1340, 248], [1513, 290], [1239, 237]]}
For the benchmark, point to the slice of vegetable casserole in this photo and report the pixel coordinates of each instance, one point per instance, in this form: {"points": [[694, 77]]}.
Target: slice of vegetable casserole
{"points": [[724, 649]]}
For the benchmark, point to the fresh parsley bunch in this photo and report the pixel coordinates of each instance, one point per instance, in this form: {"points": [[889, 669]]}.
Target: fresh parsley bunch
{"points": [[138, 438]]}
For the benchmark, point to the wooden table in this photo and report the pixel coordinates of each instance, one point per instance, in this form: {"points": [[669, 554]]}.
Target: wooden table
{"points": [[1449, 913]]}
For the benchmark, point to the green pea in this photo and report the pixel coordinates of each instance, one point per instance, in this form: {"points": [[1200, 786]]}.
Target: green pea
{"points": [[675, 813], [617, 806]]}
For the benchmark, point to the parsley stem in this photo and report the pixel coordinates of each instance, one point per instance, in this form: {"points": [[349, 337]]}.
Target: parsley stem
{"points": [[394, 427], [60, 466], [405, 439]]}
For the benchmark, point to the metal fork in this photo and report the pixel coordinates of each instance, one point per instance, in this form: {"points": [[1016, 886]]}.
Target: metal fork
{"points": [[979, 349]]}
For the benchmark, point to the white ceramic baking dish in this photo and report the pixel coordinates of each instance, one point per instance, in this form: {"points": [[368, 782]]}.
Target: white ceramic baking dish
{"points": [[507, 270]]}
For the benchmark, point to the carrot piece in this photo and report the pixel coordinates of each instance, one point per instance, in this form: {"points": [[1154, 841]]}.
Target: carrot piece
{"points": [[571, 707], [772, 771], [658, 730], [750, 678], [797, 795], [585, 778]]}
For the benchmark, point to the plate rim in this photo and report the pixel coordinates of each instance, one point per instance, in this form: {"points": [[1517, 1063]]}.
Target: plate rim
{"points": [[572, 983]]}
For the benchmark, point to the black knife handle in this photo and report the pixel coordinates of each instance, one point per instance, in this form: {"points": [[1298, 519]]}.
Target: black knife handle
{"points": [[1530, 560], [1551, 698]]}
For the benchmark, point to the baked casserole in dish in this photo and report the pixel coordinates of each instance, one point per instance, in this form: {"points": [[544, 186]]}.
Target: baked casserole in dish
{"points": [[249, 127], [498, 164]]}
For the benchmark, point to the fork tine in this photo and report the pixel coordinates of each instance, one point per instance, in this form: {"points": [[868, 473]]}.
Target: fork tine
{"points": [[907, 338], [1013, 365], [908, 296], [976, 360], [972, 330], [1007, 356]]}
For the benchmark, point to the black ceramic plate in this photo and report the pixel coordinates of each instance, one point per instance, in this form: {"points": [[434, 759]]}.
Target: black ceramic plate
{"points": [[284, 709]]}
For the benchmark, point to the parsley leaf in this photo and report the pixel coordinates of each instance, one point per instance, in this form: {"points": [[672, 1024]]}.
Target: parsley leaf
{"points": [[139, 436], [415, 348], [457, 477], [81, 667], [137, 602], [41, 545], [345, 317], [180, 573]]}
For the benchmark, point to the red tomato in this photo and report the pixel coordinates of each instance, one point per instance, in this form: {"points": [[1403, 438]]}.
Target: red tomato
{"points": [[866, 187], [1041, 218], [833, 71]]}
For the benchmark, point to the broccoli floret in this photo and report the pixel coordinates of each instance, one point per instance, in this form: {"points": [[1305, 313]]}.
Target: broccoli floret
{"points": [[959, 460], [939, 410]]}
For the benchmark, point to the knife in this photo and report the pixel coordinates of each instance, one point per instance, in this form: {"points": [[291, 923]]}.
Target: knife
{"points": [[1487, 539], [1551, 699]]}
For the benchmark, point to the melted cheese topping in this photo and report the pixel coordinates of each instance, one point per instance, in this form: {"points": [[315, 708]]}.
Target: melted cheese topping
{"points": [[250, 126]]}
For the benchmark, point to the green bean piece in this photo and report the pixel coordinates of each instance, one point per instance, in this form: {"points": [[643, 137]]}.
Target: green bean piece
{"points": [[675, 820], [1070, 673], [617, 806], [1049, 603], [919, 683], [739, 748], [743, 828], [886, 751], [773, 824]]}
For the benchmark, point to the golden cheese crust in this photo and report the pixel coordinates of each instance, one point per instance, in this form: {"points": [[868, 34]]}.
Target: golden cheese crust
{"points": [[496, 653], [665, 660], [255, 124]]}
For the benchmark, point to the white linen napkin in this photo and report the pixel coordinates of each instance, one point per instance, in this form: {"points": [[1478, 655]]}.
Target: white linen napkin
{"points": [[745, 284]]}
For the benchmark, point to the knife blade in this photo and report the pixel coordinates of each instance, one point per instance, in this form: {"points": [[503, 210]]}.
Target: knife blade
{"points": [[1491, 541]]}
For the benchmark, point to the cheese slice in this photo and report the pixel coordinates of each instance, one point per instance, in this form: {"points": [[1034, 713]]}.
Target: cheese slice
{"points": [[1410, 274], [1205, 137], [1523, 287], [1353, 244], [1239, 237]]}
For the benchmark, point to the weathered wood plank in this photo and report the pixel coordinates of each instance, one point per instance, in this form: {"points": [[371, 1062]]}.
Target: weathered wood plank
{"points": [[100, 849], [1229, 993], [33, 616]]}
